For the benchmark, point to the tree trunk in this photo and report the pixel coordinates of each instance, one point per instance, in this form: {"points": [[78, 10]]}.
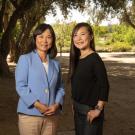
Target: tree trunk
{"points": [[5, 41], [2, 14], [127, 19], [4, 69], [5, 44], [12, 50], [22, 42]]}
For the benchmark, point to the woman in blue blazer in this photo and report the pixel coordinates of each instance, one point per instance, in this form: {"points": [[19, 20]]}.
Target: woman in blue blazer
{"points": [[39, 85]]}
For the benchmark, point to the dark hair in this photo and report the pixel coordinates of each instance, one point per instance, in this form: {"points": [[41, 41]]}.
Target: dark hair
{"points": [[75, 52], [39, 30]]}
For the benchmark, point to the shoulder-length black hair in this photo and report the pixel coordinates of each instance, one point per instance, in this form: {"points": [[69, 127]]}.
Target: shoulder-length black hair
{"points": [[39, 30], [75, 52]]}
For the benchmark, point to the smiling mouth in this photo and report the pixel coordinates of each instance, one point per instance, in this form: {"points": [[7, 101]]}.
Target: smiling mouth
{"points": [[44, 45], [79, 43]]}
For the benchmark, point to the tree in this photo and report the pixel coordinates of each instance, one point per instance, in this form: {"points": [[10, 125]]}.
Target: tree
{"points": [[27, 22], [124, 9], [22, 7], [30, 12], [96, 13], [63, 36]]}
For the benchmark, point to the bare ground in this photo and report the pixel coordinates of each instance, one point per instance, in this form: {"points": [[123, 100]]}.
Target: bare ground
{"points": [[119, 112]]}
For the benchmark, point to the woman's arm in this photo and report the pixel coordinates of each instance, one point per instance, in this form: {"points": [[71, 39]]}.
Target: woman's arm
{"points": [[101, 79], [21, 77], [60, 93]]}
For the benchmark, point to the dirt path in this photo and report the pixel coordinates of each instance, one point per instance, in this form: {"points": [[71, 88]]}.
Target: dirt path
{"points": [[119, 113]]}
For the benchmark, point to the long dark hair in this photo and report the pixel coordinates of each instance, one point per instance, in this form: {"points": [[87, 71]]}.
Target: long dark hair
{"points": [[75, 52], [39, 30]]}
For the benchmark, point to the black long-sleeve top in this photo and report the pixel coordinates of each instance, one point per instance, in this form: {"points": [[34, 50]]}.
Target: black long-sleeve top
{"points": [[89, 82]]}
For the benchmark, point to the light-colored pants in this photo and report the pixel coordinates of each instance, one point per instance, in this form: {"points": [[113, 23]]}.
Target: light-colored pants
{"points": [[34, 125]]}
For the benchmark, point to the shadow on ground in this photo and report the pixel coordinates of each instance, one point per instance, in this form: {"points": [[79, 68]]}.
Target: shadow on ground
{"points": [[119, 112]]}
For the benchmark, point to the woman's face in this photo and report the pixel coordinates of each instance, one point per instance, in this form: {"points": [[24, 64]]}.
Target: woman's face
{"points": [[81, 38], [44, 41]]}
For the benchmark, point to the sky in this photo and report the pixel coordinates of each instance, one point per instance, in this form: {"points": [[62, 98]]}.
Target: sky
{"points": [[77, 16]]}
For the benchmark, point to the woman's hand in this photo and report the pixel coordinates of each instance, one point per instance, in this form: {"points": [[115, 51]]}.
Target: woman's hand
{"points": [[52, 109], [41, 107], [92, 114]]}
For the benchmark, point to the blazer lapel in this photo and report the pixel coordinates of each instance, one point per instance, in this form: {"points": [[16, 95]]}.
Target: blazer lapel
{"points": [[41, 68], [50, 70]]}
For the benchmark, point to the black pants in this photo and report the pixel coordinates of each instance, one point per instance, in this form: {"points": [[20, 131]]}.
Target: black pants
{"points": [[82, 126]]}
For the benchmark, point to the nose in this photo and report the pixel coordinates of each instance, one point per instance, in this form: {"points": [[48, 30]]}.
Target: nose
{"points": [[45, 40], [78, 37]]}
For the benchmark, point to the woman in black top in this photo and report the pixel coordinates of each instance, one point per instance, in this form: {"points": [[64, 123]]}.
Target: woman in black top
{"points": [[89, 82]]}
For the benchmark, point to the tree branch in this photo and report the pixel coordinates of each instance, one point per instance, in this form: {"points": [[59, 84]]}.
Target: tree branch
{"points": [[2, 14], [14, 3], [127, 19]]}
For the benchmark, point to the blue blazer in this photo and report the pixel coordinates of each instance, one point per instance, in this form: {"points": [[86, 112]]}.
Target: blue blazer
{"points": [[33, 83]]}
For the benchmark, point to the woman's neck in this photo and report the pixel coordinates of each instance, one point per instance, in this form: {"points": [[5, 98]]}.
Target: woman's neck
{"points": [[85, 53], [42, 55]]}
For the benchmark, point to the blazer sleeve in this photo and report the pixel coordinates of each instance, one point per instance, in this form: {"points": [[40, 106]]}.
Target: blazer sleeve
{"points": [[102, 79], [21, 77], [60, 92]]}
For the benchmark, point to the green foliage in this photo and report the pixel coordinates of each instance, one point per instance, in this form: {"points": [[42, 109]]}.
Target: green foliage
{"points": [[118, 33], [123, 33], [121, 46], [130, 37], [63, 35], [115, 47], [107, 38], [117, 37], [100, 31], [16, 31]]}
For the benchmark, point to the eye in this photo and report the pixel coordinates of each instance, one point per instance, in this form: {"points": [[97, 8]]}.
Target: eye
{"points": [[49, 37], [75, 35], [83, 34], [40, 36]]}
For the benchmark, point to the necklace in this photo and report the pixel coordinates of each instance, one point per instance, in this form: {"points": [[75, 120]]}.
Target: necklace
{"points": [[86, 54], [44, 60], [42, 56]]}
